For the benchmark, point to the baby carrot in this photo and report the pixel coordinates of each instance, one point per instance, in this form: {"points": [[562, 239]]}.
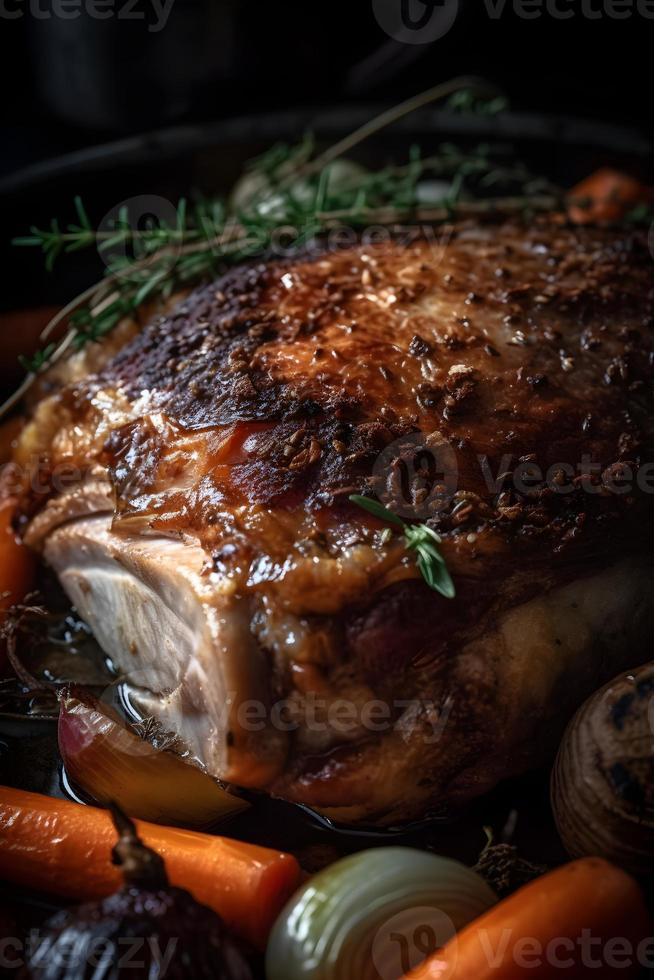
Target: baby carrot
{"points": [[16, 561], [606, 195], [65, 848], [582, 920]]}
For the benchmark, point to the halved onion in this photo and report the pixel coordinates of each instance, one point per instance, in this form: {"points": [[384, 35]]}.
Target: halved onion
{"points": [[111, 763], [375, 914]]}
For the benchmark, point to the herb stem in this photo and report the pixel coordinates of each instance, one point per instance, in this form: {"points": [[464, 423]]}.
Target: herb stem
{"points": [[478, 86], [292, 187]]}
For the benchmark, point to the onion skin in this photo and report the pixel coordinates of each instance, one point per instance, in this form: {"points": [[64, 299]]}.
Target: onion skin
{"points": [[603, 778], [366, 916], [112, 764]]}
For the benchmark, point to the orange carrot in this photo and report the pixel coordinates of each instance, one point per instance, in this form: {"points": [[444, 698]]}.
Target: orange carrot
{"points": [[16, 561], [17, 565], [65, 848], [606, 196], [16, 568], [587, 912]]}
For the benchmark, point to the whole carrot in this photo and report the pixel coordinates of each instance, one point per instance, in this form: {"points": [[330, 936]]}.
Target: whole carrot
{"points": [[585, 919], [65, 848]]}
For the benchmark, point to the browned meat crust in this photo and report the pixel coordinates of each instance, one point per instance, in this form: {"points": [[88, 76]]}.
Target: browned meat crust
{"points": [[552, 326], [247, 416], [521, 346]]}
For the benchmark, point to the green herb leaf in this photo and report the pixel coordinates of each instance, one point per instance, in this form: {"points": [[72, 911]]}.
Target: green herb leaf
{"points": [[82, 215], [424, 541], [419, 535], [419, 538], [434, 571], [35, 364]]}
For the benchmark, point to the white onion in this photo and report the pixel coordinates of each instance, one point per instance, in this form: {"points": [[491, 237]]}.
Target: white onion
{"points": [[374, 915]]}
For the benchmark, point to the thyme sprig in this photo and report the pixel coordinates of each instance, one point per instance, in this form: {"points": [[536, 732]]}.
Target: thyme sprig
{"points": [[288, 186], [421, 539]]}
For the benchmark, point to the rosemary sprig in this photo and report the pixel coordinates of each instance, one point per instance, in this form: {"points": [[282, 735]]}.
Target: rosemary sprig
{"points": [[419, 538], [169, 258], [288, 186]]}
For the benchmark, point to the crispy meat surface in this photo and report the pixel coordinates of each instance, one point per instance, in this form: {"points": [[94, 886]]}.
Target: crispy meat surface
{"points": [[494, 380]]}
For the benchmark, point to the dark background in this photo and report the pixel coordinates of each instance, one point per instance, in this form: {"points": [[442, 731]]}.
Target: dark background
{"points": [[72, 83]]}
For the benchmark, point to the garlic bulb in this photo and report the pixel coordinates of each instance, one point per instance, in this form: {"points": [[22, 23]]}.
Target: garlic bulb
{"points": [[375, 914], [603, 780]]}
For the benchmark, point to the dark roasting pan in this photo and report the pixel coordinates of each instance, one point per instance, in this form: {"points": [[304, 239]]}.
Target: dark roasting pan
{"points": [[206, 159]]}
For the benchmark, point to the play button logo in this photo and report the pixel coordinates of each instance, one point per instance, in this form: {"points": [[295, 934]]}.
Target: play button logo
{"points": [[416, 21]]}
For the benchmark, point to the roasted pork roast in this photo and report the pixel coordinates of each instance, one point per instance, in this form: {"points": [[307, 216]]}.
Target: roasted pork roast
{"points": [[493, 380]]}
